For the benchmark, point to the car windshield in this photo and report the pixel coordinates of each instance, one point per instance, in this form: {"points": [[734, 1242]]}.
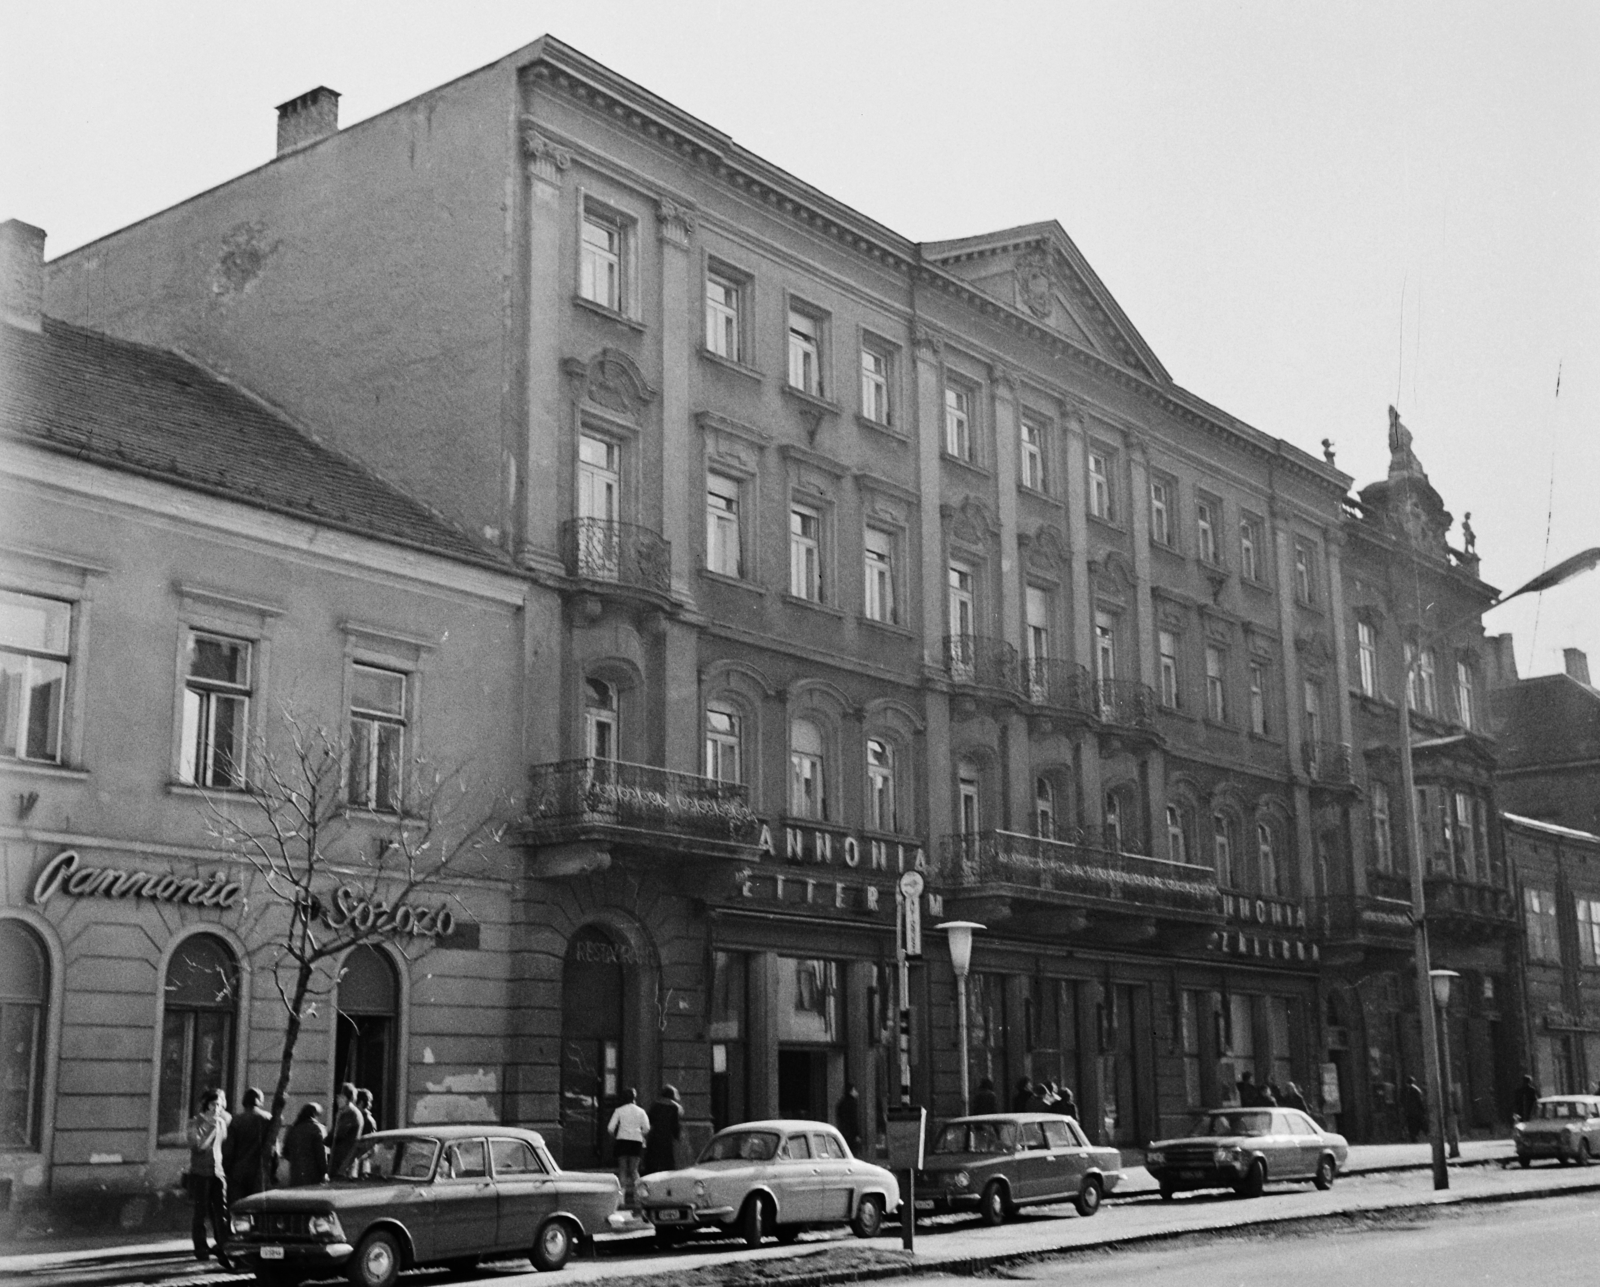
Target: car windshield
{"points": [[741, 1146], [1232, 1124], [406, 1157], [977, 1137]]}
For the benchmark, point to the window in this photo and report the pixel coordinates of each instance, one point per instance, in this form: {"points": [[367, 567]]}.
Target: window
{"points": [[1160, 513], [1242, 1035], [600, 719], [600, 274], [967, 791], [1539, 913], [377, 738], [958, 422], [1036, 640], [599, 478], [879, 555], [1105, 646], [1258, 699], [881, 814], [1466, 852], [1177, 835], [1422, 691], [1190, 1008], [1167, 645], [1216, 684], [199, 1015], [24, 1000], [514, 1157], [876, 404], [724, 539], [1367, 653], [35, 637], [805, 353], [216, 710], [1205, 522], [1465, 709], [961, 603], [1044, 808], [1267, 858], [807, 796], [1382, 828], [1313, 713], [1251, 549], [722, 743], [724, 322], [1279, 1027], [805, 553], [1032, 434], [1588, 931], [1223, 845], [1113, 821], [1101, 500], [1304, 582]]}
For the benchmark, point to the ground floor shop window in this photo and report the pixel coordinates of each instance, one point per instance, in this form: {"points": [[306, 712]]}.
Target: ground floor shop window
{"points": [[727, 1029], [1241, 1041], [592, 990], [986, 1034], [1280, 1025], [200, 1007], [24, 997], [368, 1029], [1052, 1031]]}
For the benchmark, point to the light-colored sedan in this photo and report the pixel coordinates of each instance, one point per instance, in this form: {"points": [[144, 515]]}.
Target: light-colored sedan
{"points": [[769, 1178], [1242, 1148], [1565, 1127]]}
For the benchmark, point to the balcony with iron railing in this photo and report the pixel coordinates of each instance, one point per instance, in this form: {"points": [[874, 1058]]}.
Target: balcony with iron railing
{"points": [[1327, 763], [580, 811], [1468, 908], [1361, 923], [981, 661], [622, 554], [1125, 703], [1058, 685]]}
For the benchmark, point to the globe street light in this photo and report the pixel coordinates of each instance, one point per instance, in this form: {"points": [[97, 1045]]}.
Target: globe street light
{"points": [[960, 941], [1442, 980]]}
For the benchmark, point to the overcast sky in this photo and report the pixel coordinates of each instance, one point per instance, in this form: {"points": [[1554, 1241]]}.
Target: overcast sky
{"points": [[1309, 210]]}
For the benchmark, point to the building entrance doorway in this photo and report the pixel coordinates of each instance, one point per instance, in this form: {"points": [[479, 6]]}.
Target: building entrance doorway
{"points": [[367, 1030], [811, 1037], [592, 984]]}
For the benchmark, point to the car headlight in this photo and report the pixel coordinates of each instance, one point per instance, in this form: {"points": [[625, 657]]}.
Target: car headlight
{"points": [[960, 1180], [641, 1190], [242, 1222], [1155, 1157], [1227, 1153], [327, 1226], [699, 1188], [1518, 1128]]}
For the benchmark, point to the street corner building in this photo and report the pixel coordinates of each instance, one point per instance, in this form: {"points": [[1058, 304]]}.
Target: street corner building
{"points": [[770, 555]]}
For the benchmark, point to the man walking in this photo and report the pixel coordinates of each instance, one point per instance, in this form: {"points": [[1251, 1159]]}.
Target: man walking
{"points": [[247, 1150], [629, 1128], [1525, 1099]]}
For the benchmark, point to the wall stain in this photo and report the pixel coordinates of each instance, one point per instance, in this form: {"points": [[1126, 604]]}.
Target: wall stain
{"points": [[244, 253]]}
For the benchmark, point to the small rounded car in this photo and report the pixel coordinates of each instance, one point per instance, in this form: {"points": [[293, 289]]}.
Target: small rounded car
{"points": [[1242, 1148], [997, 1162], [437, 1195], [769, 1178], [1565, 1127]]}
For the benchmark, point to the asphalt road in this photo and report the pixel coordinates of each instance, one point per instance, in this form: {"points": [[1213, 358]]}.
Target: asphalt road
{"points": [[1551, 1243]]}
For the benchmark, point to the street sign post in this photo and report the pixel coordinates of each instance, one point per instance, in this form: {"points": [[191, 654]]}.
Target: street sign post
{"points": [[908, 1129], [907, 943]]}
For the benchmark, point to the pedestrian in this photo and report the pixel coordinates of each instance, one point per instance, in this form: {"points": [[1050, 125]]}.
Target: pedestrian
{"points": [[346, 1132], [205, 1179], [984, 1099], [369, 1123], [247, 1151], [1052, 1094], [1268, 1095], [1249, 1095], [1413, 1108], [847, 1116], [1038, 1099], [1525, 1099], [666, 1125], [1066, 1105], [1292, 1098], [629, 1127], [1021, 1096], [305, 1147]]}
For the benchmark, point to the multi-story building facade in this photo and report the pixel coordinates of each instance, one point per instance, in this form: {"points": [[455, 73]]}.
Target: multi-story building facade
{"points": [[850, 554], [1548, 727]]}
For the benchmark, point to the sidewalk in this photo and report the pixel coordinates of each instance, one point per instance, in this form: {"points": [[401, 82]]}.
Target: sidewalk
{"points": [[46, 1253]]}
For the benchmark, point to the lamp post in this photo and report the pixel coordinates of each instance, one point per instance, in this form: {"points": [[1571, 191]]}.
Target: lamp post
{"points": [[1441, 980], [960, 941], [1563, 571]]}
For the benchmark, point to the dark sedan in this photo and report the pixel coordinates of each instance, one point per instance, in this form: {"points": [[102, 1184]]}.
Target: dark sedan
{"points": [[1242, 1148], [999, 1162], [433, 1195]]}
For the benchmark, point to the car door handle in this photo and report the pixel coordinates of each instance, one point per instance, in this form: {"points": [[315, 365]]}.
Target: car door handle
{"points": [[816, 1170]]}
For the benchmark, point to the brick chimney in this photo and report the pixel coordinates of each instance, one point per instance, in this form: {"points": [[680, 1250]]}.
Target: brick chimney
{"points": [[312, 116], [21, 274], [1577, 664]]}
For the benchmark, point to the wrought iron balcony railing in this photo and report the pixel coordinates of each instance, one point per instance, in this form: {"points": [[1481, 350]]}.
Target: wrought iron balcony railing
{"points": [[598, 549], [1343, 918], [1063, 685], [1447, 897], [571, 797], [977, 659], [1125, 702], [1064, 867], [1327, 762]]}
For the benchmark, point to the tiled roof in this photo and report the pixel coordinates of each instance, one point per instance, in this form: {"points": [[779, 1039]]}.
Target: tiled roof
{"points": [[154, 412]]}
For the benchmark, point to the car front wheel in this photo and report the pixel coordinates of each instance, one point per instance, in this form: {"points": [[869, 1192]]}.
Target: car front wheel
{"points": [[553, 1247], [869, 1217], [1583, 1153], [753, 1220], [377, 1260], [995, 1204], [1326, 1170], [1088, 1199], [1254, 1179]]}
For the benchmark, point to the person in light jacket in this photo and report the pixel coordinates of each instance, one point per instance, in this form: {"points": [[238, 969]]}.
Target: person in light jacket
{"points": [[629, 1127], [305, 1147], [206, 1180]]}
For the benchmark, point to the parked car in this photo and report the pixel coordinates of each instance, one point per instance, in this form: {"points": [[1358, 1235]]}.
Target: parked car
{"points": [[424, 1196], [1565, 1127], [997, 1162], [1242, 1148], [771, 1177]]}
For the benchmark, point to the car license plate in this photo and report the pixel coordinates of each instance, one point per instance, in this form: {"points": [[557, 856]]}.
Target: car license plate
{"points": [[671, 1215], [1191, 1175], [924, 1204], [272, 1253]]}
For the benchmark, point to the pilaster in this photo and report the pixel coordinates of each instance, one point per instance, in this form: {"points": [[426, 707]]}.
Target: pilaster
{"points": [[682, 487], [543, 501], [927, 351]]}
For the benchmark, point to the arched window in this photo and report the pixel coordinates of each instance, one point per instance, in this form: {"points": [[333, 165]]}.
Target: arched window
{"points": [[807, 789], [1177, 834], [24, 999], [882, 810], [1267, 858], [724, 733], [1224, 845], [199, 1020], [1044, 808], [600, 719], [368, 1028]]}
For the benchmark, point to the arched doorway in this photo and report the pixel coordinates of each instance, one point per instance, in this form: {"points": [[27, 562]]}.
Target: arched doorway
{"points": [[368, 1029], [593, 982]]}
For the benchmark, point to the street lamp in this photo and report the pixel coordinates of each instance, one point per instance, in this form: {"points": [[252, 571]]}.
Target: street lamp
{"points": [[960, 940], [1563, 571], [1441, 1002]]}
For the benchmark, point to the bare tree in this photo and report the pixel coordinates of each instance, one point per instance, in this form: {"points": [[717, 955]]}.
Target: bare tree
{"points": [[337, 876]]}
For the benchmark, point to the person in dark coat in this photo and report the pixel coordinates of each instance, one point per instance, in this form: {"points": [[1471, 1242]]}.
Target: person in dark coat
{"points": [[847, 1116], [1022, 1095], [1039, 1100], [305, 1147], [666, 1126], [1249, 1093], [1292, 1098], [1066, 1105], [984, 1100], [1525, 1099], [369, 1123], [247, 1150], [348, 1127], [1414, 1108]]}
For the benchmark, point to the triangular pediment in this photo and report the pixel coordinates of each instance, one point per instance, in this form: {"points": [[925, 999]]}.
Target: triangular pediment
{"points": [[1039, 272]]}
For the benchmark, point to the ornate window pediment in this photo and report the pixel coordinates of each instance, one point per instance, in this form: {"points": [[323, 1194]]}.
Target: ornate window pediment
{"points": [[612, 381]]}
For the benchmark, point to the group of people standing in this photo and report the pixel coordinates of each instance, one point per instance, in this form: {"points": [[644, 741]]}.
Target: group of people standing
{"points": [[231, 1157], [1269, 1095], [1029, 1096]]}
